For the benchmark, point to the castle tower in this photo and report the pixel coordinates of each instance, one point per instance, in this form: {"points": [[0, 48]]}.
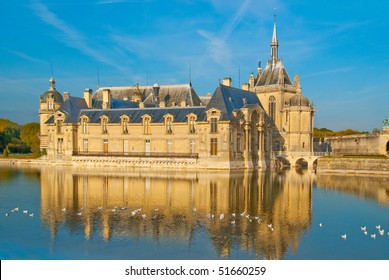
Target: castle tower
{"points": [[290, 114], [50, 101]]}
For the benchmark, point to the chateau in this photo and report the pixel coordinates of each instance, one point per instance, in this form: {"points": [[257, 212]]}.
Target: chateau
{"points": [[266, 123]]}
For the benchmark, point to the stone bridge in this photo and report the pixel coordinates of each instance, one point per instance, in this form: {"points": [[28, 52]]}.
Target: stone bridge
{"points": [[302, 159]]}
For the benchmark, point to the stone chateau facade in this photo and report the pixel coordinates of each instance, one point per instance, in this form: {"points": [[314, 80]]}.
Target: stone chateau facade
{"points": [[266, 123]]}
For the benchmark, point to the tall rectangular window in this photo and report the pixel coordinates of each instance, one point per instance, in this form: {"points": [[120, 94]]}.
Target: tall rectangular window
{"points": [[84, 126], [169, 145], [60, 126], [105, 146], [105, 126], [169, 125], [125, 126], [147, 147], [192, 146], [213, 125], [85, 145], [213, 146], [192, 125], [146, 125]]}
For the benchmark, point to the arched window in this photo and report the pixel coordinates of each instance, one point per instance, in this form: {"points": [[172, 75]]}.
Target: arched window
{"points": [[272, 107], [387, 147]]}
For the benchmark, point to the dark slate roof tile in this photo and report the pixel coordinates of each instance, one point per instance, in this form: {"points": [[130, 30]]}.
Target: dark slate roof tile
{"points": [[227, 99]]}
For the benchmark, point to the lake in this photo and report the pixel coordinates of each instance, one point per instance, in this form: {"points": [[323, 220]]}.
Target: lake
{"points": [[70, 213]]}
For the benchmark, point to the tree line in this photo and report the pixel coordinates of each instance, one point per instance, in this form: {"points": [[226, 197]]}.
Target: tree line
{"points": [[325, 132], [19, 139]]}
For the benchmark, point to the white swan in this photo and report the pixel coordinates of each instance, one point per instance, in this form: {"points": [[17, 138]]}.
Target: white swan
{"points": [[344, 236]]}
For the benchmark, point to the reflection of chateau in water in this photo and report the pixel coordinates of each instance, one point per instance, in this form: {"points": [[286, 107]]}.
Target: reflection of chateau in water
{"points": [[173, 206], [375, 188]]}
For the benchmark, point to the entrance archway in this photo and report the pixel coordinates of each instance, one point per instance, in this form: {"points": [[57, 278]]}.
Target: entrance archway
{"points": [[301, 163]]}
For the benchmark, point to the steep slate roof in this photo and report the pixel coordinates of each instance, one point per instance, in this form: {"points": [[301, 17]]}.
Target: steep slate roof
{"points": [[115, 104], [227, 99], [157, 114], [71, 108], [167, 93], [270, 75]]}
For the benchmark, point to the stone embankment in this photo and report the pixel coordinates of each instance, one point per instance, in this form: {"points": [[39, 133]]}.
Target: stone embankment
{"points": [[363, 165]]}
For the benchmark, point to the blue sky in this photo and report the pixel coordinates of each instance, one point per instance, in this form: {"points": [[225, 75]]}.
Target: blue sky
{"points": [[339, 49]]}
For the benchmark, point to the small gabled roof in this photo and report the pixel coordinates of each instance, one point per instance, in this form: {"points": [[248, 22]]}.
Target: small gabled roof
{"points": [[227, 99], [71, 108]]}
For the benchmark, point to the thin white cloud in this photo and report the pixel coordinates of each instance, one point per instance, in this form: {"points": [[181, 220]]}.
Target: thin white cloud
{"points": [[70, 35], [218, 49], [25, 56]]}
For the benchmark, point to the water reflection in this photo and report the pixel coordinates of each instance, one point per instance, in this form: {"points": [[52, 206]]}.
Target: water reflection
{"points": [[263, 214], [369, 187]]}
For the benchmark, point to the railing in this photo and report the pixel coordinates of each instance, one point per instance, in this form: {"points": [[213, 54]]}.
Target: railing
{"points": [[137, 154]]}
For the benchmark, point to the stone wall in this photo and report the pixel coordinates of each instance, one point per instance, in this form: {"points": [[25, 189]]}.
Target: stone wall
{"points": [[353, 165], [360, 144]]}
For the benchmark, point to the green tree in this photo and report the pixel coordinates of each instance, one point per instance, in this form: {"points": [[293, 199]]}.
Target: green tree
{"points": [[29, 135], [11, 135]]}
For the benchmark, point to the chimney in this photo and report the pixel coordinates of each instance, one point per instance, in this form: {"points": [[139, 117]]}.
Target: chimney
{"points": [[227, 82], [251, 81], [66, 95], [106, 99], [88, 97], [245, 86]]}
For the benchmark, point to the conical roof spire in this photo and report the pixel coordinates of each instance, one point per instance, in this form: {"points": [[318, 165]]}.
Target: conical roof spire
{"points": [[274, 43]]}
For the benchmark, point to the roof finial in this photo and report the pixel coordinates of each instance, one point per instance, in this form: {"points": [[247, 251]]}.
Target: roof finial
{"points": [[274, 43]]}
